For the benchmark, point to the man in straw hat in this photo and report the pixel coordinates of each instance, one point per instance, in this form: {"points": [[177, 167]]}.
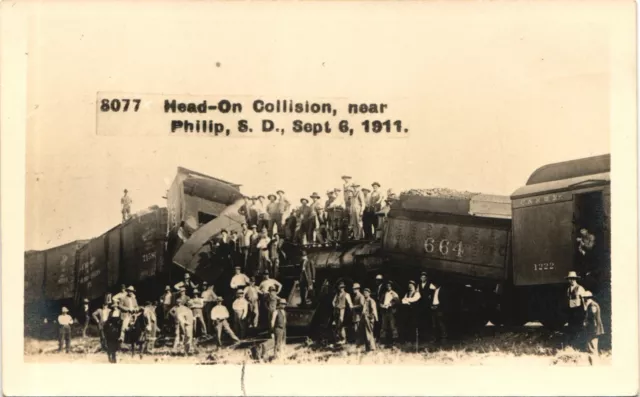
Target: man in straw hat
{"points": [[128, 306], [368, 320], [576, 311], [184, 323], [593, 325], [278, 325], [335, 212], [125, 203], [219, 317], [346, 185], [64, 330]]}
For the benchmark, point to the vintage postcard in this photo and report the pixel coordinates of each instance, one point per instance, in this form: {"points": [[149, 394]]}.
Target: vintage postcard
{"points": [[319, 198]]}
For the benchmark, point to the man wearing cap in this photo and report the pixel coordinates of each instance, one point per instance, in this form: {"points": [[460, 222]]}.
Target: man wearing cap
{"points": [[575, 292], [307, 277], [196, 304], [240, 308], [368, 214], [219, 317], [86, 316], [264, 261], [341, 301], [184, 324], [276, 254], [411, 302], [593, 325], [252, 295], [125, 203], [368, 320], [64, 330], [356, 312], [273, 215], [239, 279], [388, 308], [188, 285], [278, 327], [128, 306], [100, 316]]}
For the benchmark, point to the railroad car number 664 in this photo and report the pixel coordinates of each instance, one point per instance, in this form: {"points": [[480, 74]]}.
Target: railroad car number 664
{"points": [[443, 246]]}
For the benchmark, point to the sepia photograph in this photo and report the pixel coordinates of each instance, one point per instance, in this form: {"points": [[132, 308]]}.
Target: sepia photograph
{"points": [[403, 186]]}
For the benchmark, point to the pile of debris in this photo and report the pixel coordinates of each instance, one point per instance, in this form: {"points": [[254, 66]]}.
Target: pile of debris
{"points": [[438, 192]]}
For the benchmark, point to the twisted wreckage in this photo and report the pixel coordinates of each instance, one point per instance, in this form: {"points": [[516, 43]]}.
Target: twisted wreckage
{"points": [[505, 257]]}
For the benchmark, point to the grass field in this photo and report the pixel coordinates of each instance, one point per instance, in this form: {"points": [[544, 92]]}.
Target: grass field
{"points": [[531, 345]]}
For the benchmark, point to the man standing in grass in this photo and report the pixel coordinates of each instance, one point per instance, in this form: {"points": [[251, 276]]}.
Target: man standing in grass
{"points": [[593, 326], [279, 327], [64, 332], [368, 319]]}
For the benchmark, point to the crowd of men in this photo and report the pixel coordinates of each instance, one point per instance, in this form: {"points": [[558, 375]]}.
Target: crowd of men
{"points": [[350, 212]]}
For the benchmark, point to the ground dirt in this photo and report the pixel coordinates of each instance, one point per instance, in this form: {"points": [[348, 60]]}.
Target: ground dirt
{"points": [[530, 345]]}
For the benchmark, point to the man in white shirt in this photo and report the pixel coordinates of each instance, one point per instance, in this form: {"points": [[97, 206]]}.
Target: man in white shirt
{"points": [[269, 282], [575, 292], [196, 304], [128, 306], [272, 214], [210, 299], [341, 301], [284, 207], [184, 322], [245, 243], [64, 331], [239, 280], [219, 317], [240, 308], [264, 263], [388, 305], [120, 295]]}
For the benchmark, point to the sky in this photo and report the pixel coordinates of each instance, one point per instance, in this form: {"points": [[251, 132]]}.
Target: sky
{"points": [[491, 93]]}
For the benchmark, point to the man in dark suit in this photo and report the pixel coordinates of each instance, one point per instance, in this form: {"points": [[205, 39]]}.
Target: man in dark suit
{"points": [[307, 277], [425, 288], [438, 312]]}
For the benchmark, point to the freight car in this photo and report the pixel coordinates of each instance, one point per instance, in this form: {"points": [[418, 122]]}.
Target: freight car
{"points": [[137, 252]]}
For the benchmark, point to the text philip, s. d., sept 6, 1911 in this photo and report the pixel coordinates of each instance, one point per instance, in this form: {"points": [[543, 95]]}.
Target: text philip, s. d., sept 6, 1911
{"points": [[151, 114]]}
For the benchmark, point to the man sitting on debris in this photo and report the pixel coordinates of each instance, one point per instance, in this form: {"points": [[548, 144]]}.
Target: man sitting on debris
{"points": [[187, 284], [219, 317], [269, 282]]}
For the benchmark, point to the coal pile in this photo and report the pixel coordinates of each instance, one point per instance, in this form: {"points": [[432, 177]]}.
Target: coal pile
{"points": [[438, 192]]}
